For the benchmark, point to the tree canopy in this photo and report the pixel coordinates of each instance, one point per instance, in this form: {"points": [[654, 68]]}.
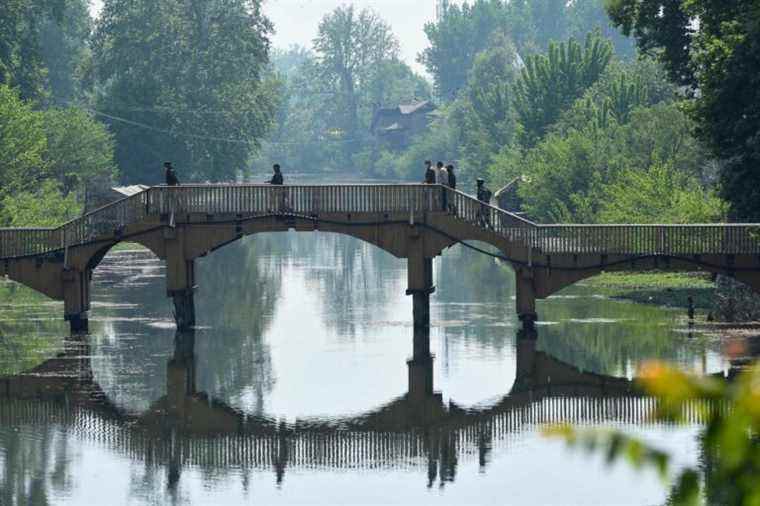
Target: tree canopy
{"points": [[713, 48], [183, 81]]}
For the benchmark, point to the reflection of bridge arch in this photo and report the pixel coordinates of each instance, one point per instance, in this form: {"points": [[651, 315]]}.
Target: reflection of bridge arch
{"points": [[417, 430], [415, 222]]}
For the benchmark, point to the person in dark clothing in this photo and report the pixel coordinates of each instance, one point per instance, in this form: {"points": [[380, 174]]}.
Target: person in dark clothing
{"points": [[452, 176], [429, 172], [452, 184], [484, 195], [279, 202], [277, 176], [171, 177]]}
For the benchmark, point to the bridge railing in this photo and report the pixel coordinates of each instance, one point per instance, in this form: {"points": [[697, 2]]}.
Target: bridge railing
{"points": [[107, 220], [669, 240], [17, 242], [307, 199], [673, 240]]}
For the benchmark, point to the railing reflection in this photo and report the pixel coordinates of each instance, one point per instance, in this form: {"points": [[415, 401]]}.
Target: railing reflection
{"points": [[187, 428]]}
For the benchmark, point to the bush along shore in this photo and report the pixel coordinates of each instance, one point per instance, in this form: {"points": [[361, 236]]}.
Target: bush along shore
{"points": [[718, 298], [661, 288]]}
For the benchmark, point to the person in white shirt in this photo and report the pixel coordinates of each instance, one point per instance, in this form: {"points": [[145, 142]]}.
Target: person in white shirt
{"points": [[442, 178]]}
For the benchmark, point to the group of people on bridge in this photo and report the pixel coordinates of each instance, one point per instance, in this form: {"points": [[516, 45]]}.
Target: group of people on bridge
{"points": [[444, 175]]}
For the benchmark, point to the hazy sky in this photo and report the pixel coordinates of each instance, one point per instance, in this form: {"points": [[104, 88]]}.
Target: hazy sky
{"points": [[296, 20]]}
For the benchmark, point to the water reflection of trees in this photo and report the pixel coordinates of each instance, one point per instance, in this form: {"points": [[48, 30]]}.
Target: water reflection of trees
{"points": [[35, 470], [632, 334], [239, 287]]}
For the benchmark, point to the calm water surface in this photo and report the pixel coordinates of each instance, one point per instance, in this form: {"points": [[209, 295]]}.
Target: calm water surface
{"points": [[296, 387]]}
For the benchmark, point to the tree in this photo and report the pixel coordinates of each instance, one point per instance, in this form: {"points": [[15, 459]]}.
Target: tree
{"points": [[64, 50], [22, 143], [351, 49], [570, 171], [485, 112], [590, 15], [550, 83], [20, 64], [79, 148], [43, 206], [658, 194], [712, 47], [183, 80], [456, 39]]}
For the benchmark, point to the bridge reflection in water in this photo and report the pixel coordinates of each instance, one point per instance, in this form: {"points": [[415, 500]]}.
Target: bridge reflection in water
{"points": [[186, 428]]}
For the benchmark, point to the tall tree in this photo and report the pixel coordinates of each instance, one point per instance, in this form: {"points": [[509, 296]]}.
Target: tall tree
{"points": [[713, 47], [21, 64], [183, 80], [351, 49], [550, 83], [455, 40], [64, 50], [486, 114]]}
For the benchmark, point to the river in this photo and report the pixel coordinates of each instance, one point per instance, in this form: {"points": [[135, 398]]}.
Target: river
{"points": [[295, 388]]}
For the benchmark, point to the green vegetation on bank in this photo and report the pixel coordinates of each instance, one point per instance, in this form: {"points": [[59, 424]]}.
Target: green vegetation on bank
{"points": [[660, 288]]}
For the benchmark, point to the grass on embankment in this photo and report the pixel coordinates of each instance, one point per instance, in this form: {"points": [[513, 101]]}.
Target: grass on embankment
{"points": [[661, 288]]}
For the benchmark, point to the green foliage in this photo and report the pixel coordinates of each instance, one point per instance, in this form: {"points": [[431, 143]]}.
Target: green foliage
{"points": [[466, 29], [441, 139], [352, 49], [45, 206], [550, 83], [659, 194], [79, 148], [46, 157], [485, 114], [183, 81], [462, 32], [730, 446], [64, 51], [22, 143], [572, 172], [719, 55], [324, 121]]}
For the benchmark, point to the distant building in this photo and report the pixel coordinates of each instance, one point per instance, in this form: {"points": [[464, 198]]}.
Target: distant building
{"points": [[396, 126]]}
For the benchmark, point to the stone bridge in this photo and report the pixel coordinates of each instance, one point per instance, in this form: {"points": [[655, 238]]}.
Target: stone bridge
{"points": [[187, 427], [415, 222]]}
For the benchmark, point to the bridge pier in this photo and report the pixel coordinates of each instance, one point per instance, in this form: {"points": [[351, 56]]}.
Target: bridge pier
{"points": [[421, 366], [420, 282], [76, 299], [526, 357], [180, 280], [525, 295]]}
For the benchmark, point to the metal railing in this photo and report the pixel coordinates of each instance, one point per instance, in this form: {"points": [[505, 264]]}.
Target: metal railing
{"points": [[409, 199]]}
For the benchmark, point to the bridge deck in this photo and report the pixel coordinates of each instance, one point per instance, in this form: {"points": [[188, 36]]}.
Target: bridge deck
{"points": [[413, 200]]}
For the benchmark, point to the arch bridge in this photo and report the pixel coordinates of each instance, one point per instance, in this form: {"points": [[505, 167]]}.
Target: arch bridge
{"points": [[411, 221]]}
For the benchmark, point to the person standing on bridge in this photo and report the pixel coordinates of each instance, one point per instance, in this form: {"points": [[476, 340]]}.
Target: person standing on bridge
{"points": [[452, 183], [484, 196], [279, 196], [452, 176], [442, 178], [171, 176], [429, 172], [171, 180], [277, 178]]}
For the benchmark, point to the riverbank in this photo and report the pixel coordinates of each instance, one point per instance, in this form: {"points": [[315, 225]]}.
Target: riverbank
{"points": [[660, 288]]}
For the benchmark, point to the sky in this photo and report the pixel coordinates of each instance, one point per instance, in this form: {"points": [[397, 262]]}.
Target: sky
{"points": [[296, 21]]}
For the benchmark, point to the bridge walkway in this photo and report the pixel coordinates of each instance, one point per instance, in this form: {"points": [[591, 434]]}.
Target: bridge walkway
{"points": [[411, 221]]}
